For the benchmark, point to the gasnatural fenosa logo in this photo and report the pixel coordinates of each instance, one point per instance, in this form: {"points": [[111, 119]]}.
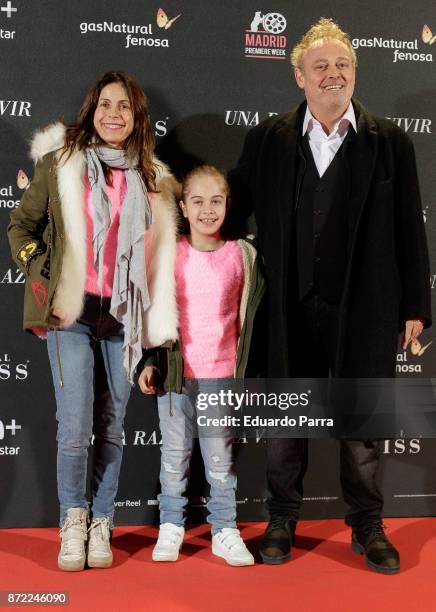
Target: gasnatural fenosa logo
{"points": [[134, 35], [403, 50]]}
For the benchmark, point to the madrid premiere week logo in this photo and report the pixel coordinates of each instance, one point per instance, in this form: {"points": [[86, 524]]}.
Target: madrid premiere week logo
{"points": [[265, 38]]}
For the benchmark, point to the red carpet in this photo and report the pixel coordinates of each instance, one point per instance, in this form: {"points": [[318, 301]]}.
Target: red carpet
{"points": [[323, 575]]}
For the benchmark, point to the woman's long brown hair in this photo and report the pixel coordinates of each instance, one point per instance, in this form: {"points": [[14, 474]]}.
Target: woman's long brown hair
{"points": [[140, 144]]}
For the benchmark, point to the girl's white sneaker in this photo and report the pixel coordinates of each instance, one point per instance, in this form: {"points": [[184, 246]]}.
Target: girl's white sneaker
{"points": [[229, 545], [168, 543]]}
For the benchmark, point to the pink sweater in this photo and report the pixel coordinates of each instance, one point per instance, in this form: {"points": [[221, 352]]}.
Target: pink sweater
{"points": [[116, 195], [209, 288]]}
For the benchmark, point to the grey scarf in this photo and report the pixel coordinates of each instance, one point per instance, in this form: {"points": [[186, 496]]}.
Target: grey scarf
{"points": [[130, 298]]}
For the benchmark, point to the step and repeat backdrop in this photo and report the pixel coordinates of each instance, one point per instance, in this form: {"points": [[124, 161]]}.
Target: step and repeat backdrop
{"points": [[212, 70]]}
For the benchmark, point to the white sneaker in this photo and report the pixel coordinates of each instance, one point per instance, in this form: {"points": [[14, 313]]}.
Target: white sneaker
{"points": [[168, 543], [72, 555], [229, 545], [99, 549]]}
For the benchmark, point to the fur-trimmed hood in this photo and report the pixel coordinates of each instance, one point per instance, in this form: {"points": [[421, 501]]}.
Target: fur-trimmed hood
{"points": [[49, 139], [161, 320]]}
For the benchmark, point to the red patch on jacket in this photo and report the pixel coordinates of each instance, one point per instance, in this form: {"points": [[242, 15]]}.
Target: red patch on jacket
{"points": [[39, 293]]}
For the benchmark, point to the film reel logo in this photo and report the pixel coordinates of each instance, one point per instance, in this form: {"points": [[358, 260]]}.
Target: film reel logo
{"points": [[274, 23]]}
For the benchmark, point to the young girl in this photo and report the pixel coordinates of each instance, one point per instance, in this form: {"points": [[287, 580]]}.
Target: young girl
{"points": [[218, 287], [80, 235]]}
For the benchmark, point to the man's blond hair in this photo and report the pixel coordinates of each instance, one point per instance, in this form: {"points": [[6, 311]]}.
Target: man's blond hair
{"points": [[323, 30]]}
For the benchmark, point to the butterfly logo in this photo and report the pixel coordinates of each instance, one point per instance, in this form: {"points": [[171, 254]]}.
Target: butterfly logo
{"points": [[22, 180], [163, 21], [417, 348], [427, 35]]}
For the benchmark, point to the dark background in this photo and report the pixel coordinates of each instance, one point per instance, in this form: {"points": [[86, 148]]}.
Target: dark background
{"points": [[198, 87]]}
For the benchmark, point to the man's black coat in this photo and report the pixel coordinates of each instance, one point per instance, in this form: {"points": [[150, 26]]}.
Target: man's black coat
{"points": [[387, 280]]}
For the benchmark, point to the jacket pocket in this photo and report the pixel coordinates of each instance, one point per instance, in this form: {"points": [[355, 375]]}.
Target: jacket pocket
{"points": [[36, 295]]}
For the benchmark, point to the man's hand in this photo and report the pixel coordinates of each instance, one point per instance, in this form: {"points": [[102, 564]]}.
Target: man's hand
{"points": [[411, 332], [147, 380]]}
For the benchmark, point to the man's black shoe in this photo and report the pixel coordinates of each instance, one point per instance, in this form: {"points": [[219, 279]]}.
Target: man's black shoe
{"points": [[381, 556], [275, 546]]}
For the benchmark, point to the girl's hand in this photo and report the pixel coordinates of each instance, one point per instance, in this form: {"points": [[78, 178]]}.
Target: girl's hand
{"points": [[147, 380]]}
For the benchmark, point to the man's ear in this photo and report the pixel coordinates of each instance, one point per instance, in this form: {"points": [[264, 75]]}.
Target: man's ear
{"points": [[299, 77]]}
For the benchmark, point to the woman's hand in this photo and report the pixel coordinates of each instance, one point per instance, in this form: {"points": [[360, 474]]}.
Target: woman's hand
{"points": [[147, 380]]}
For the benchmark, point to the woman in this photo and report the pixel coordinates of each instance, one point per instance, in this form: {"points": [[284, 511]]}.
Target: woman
{"points": [[95, 234]]}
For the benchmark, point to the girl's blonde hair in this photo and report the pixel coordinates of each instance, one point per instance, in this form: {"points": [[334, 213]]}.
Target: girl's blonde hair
{"points": [[205, 170], [322, 31]]}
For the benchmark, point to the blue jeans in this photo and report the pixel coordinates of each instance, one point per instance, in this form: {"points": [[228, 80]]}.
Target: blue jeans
{"points": [[91, 401], [178, 431]]}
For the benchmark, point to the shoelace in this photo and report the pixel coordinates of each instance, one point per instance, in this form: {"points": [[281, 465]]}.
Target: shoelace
{"points": [[73, 546], [69, 522], [278, 523], [375, 529], [232, 539], [100, 528]]}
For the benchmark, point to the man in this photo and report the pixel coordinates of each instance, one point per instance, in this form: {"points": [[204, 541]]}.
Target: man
{"points": [[335, 195]]}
